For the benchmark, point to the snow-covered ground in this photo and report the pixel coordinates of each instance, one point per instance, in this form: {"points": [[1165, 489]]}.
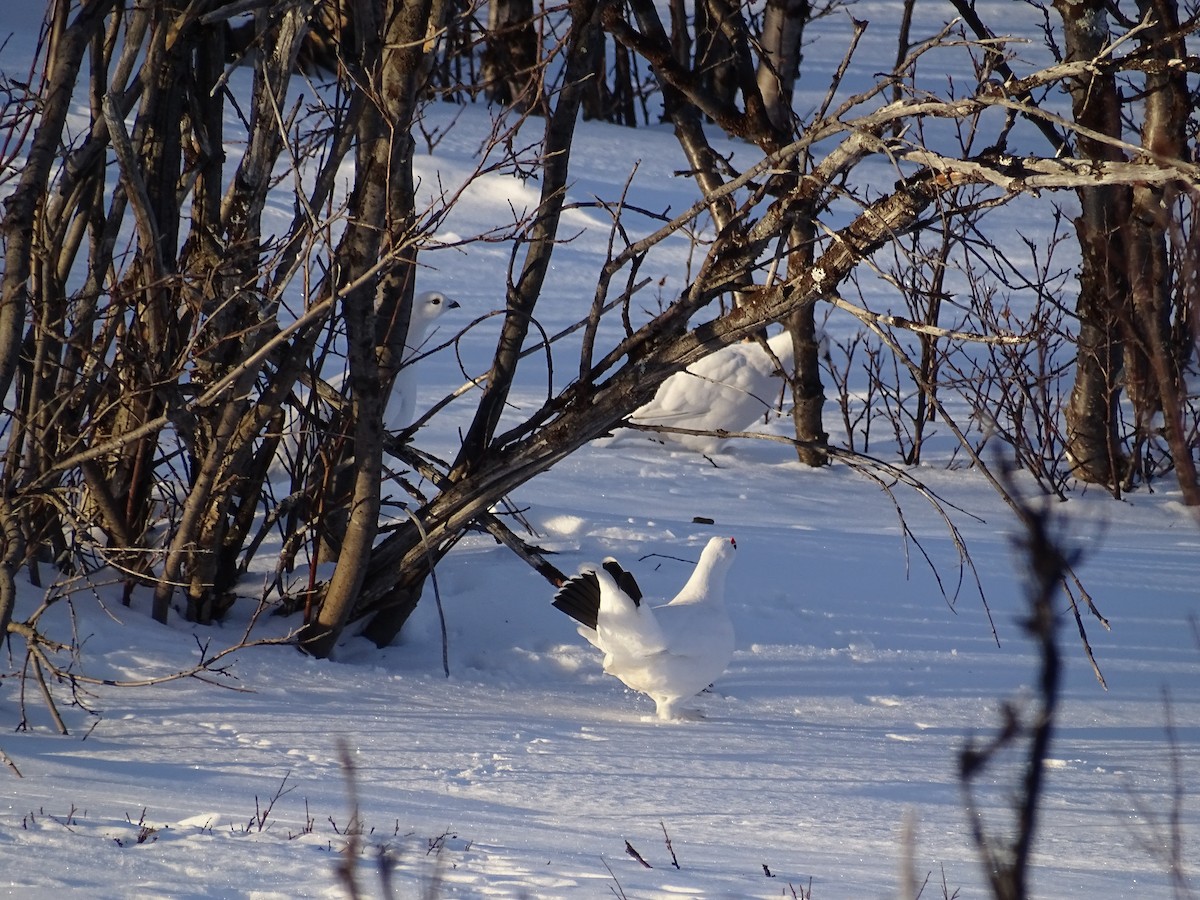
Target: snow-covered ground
{"points": [[528, 772]]}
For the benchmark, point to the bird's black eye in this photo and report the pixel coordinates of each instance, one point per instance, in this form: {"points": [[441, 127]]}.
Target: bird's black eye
{"points": [[436, 301]]}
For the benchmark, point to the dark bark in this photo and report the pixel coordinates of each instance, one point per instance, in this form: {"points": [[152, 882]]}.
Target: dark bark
{"points": [[1154, 374], [511, 76], [398, 595], [808, 394], [1092, 442], [383, 202], [778, 68]]}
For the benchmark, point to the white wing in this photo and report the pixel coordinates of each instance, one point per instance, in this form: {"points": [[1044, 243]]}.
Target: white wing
{"points": [[623, 629]]}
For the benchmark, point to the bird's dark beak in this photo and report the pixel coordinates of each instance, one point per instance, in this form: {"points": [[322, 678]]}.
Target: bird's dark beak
{"points": [[453, 304]]}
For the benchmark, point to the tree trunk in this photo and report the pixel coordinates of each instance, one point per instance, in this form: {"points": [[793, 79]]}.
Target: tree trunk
{"points": [[225, 243], [383, 202], [778, 67], [151, 164], [22, 207], [714, 55], [808, 394], [510, 56], [779, 62], [1092, 443], [399, 592], [1154, 376]]}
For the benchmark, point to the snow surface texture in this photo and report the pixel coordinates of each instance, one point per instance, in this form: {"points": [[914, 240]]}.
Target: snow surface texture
{"points": [[852, 686], [728, 390], [849, 694], [669, 652]]}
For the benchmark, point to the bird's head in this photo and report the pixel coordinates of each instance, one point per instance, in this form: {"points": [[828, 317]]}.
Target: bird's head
{"points": [[428, 306], [718, 553]]}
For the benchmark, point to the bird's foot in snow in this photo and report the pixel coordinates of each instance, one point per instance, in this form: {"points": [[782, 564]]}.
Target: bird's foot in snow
{"points": [[680, 714]]}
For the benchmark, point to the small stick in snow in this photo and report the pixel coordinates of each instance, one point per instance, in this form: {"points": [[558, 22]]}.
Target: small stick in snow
{"points": [[4, 758], [629, 849], [667, 838]]}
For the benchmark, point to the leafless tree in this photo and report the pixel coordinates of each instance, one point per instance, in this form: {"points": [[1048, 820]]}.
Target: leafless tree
{"points": [[158, 344], [1125, 282], [510, 59]]}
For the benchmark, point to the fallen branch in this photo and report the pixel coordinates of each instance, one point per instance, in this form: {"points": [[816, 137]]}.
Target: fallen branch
{"points": [[629, 848], [7, 760], [1023, 174]]}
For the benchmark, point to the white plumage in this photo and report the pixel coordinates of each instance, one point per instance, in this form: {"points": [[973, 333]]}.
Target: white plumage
{"points": [[401, 407], [729, 390], [669, 652], [311, 426]]}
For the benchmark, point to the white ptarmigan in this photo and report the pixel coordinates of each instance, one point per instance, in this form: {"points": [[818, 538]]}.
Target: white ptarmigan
{"points": [[669, 652], [729, 390], [311, 426], [401, 407]]}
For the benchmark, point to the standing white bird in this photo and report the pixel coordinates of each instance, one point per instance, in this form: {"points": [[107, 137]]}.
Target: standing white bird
{"points": [[727, 390], [401, 407], [311, 427], [669, 652]]}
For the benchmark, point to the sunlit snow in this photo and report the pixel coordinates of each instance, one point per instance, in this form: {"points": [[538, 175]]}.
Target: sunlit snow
{"points": [[528, 772]]}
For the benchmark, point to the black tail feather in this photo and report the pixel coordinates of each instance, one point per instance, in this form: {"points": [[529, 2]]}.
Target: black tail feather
{"points": [[625, 580], [579, 598]]}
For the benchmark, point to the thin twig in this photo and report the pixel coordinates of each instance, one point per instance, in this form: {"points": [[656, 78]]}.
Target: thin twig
{"points": [[7, 760], [437, 594], [348, 864], [667, 838]]}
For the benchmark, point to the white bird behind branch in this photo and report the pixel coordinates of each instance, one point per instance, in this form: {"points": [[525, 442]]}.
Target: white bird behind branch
{"points": [[309, 429], [401, 407], [728, 390]]}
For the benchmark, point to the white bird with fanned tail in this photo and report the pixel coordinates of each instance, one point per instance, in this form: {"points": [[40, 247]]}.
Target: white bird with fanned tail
{"points": [[728, 390], [669, 652]]}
